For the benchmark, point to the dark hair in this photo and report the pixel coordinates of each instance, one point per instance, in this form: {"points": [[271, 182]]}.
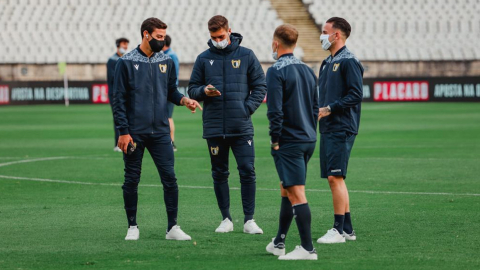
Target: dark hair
{"points": [[168, 41], [287, 34], [217, 22], [121, 40], [340, 24], [151, 24]]}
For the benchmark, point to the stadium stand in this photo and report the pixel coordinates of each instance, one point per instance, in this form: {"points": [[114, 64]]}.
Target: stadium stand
{"points": [[407, 30], [84, 31]]}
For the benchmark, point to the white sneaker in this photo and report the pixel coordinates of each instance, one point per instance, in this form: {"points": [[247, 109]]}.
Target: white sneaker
{"points": [[299, 253], [277, 250], [176, 233], [350, 237], [133, 233], [225, 226], [251, 227], [331, 237], [117, 149]]}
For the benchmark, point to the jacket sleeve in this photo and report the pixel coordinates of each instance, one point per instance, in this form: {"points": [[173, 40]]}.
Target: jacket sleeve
{"points": [[256, 84], [176, 63], [110, 72], [120, 85], [353, 74], [174, 95], [316, 101], [197, 83], [275, 104]]}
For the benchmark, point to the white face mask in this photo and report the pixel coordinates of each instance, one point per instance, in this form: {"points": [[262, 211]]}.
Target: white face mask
{"points": [[221, 44], [122, 51], [275, 55], [325, 42]]}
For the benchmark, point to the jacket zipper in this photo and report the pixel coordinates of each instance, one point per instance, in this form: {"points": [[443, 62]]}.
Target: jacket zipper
{"points": [[153, 100], [223, 95]]}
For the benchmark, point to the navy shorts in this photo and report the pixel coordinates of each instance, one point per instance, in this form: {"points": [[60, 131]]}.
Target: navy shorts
{"points": [[291, 162], [170, 107], [335, 151]]}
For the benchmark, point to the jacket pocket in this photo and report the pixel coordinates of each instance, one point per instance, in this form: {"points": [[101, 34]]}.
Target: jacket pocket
{"points": [[247, 112]]}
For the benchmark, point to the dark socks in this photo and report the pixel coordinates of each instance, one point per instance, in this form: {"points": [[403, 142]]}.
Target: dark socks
{"points": [[338, 224], [286, 216], [132, 217], [303, 218], [247, 218], [222, 192], [347, 225]]}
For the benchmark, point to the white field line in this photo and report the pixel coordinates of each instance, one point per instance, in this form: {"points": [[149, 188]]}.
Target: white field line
{"points": [[201, 187], [236, 188]]}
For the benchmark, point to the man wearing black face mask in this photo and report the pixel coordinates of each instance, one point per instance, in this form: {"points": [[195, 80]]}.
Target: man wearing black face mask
{"points": [[145, 80]]}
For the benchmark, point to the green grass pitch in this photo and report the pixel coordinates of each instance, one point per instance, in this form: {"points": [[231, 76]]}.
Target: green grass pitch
{"points": [[413, 180]]}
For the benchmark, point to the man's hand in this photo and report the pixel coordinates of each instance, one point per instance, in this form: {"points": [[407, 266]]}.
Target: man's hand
{"points": [[323, 112], [275, 146], [123, 141], [191, 104], [212, 93]]}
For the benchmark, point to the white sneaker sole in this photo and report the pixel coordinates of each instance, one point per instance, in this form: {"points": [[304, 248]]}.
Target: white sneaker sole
{"points": [[337, 242], [132, 238], [351, 238], [172, 238], [222, 231], [245, 231], [276, 251], [311, 257]]}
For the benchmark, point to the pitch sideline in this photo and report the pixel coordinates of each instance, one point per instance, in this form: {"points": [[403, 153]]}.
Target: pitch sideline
{"points": [[200, 187]]}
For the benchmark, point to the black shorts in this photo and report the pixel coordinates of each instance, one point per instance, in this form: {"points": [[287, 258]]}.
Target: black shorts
{"points": [[291, 162], [170, 107], [335, 151]]}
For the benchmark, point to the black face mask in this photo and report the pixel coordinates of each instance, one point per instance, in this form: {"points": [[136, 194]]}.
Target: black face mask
{"points": [[156, 45]]}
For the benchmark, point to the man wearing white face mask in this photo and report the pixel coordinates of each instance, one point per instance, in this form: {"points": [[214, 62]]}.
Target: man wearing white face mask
{"points": [[230, 81], [340, 95], [122, 46]]}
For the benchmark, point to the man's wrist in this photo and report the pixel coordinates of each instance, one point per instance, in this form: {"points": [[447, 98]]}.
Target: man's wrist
{"points": [[329, 109], [183, 100], [274, 144]]}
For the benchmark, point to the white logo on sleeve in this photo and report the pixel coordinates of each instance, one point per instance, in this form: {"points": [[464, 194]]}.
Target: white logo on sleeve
{"points": [[136, 66], [249, 142], [211, 62], [337, 170]]}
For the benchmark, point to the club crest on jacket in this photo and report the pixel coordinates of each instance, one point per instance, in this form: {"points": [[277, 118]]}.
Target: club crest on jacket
{"points": [[236, 63], [335, 66], [163, 68]]}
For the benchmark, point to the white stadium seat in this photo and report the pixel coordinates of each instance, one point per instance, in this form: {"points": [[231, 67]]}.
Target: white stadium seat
{"points": [[407, 30], [84, 31]]}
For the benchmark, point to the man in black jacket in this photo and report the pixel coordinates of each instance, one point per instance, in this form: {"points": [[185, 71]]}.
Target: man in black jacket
{"points": [[145, 80], [230, 81], [341, 92], [292, 101], [122, 46]]}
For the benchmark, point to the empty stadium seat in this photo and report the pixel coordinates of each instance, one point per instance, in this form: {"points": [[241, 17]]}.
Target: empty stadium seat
{"points": [[84, 31], [407, 30]]}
